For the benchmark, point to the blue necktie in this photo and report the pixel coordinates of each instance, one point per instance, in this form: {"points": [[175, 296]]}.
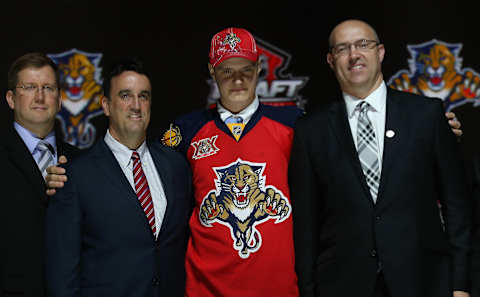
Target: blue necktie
{"points": [[46, 156]]}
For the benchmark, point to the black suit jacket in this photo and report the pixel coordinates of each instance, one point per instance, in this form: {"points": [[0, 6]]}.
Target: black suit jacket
{"points": [[342, 238], [22, 215], [476, 228], [99, 242]]}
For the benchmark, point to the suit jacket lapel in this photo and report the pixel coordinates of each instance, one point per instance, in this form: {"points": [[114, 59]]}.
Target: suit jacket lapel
{"points": [[19, 154], [107, 162], [166, 179], [396, 121], [341, 128]]}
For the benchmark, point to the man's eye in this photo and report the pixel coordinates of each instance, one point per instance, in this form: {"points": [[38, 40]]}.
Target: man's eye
{"points": [[227, 71]]}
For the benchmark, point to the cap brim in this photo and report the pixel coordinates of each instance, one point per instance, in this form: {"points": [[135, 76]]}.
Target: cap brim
{"points": [[246, 55]]}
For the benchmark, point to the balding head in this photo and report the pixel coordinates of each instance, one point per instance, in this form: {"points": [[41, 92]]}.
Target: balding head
{"points": [[353, 23]]}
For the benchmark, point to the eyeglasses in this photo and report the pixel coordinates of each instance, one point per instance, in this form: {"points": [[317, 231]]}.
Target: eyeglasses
{"points": [[363, 45], [31, 89]]}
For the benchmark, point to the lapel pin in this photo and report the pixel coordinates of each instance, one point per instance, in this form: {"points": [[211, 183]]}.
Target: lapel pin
{"points": [[390, 133]]}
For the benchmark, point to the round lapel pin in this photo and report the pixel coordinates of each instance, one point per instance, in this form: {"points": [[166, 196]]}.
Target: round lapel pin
{"points": [[390, 133]]}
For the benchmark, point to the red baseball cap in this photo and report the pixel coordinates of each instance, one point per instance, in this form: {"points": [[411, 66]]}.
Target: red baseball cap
{"points": [[232, 42]]}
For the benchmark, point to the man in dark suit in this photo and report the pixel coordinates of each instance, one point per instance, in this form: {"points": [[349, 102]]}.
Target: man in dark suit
{"points": [[119, 225], [28, 146], [366, 174], [476, 227]]}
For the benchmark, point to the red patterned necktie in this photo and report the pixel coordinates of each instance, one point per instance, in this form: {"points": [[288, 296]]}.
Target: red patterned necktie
{"points": [[143, 191]]}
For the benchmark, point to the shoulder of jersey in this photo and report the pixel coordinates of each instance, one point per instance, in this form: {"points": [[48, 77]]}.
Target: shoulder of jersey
{"points": [[287, 115], [185, 127]]}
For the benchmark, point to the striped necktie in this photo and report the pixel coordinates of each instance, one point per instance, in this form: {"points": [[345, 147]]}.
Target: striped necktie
{"points": [[368, 149], [143, 191], [46, 156]]}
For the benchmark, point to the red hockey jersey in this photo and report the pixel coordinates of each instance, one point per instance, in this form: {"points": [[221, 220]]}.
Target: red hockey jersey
{"points": [[241, 240]]}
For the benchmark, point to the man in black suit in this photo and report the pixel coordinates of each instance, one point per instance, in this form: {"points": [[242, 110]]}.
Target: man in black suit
{"points": [[28, 146], [119, 225], [366, 174]]}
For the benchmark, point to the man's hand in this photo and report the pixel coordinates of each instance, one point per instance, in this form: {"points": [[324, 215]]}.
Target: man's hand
{"points": [[454, 123], [460, 294], [56, 176]]}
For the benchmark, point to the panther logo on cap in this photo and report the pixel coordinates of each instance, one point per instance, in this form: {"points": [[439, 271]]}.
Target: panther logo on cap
{"points": [[232, 40]]}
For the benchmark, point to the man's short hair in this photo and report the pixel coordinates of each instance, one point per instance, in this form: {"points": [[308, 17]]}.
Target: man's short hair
{"points": [[119, 66], [30, 60]]}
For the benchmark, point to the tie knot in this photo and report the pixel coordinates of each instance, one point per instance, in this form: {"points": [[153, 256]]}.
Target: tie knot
{"points": [[135, 156], [43, 146], [233, 119], [363, 107]]}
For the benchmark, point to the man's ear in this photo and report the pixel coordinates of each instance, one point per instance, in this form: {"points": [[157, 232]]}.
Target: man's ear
{"points": [[211, 70], [9, 98], [105, 105], [330, 60], [381, 52]]}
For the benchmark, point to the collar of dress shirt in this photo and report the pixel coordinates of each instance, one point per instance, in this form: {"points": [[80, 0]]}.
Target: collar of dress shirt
{"points": [[121, 152], [246, 113], [377, 100], [31, 140]]}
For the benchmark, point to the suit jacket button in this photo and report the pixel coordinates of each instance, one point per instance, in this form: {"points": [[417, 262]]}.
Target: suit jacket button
{"points": [[155, 281], [373, 253], [377, 218]]}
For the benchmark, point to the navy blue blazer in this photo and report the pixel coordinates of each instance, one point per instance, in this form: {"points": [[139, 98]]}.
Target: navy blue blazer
{"points": [[99, 242]]}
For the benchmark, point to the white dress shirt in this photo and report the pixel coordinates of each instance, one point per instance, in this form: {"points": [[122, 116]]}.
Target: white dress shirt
{"points": [[376, 113], [124, 157], [246, 113]]}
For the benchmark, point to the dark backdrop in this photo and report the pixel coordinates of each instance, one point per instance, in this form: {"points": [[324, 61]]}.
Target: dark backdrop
{"points": [[173, 37]]}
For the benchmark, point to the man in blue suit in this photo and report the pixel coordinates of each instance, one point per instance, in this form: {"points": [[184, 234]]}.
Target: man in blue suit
{"points": [[119, 225]]}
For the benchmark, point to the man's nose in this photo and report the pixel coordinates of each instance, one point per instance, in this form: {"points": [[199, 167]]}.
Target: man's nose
{"points": [[136, 103], [352, 50], [237, 77], [39, 95]]}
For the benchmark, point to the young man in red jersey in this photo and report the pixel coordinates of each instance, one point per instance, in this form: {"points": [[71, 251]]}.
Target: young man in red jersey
{"points": [[241, 240]]}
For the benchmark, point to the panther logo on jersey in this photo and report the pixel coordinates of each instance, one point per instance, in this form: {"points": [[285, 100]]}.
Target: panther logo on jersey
{"points": [[241, 202], [436, 71], [81, 93]]}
